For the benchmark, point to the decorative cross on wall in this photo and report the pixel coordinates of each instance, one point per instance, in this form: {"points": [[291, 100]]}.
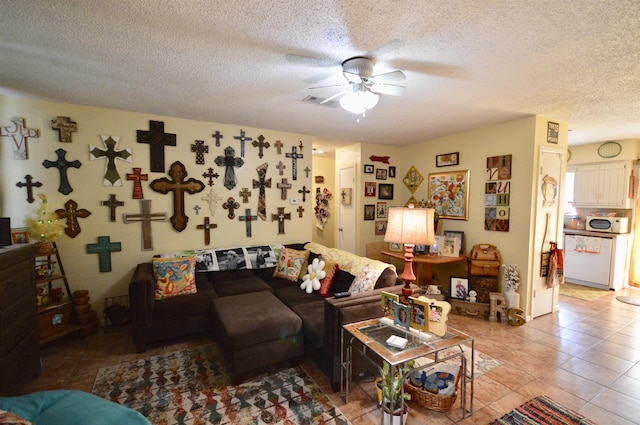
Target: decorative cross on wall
{"points": [[112, 203], [294, 155], [243, 138], [72, 213], [200, 149], [232, 206], [217, 135], [145, 217], [301, 146], [212, 200], [19, 134], [30, 184], [210, 174], [137, 177], [64, 126], [178, 185], [262, 184], [207, 230], [260, 144], [104, 248], [157, 139], [281, 168], [281, 217], [62, 165], [248, 218], [306, 171], [278, 146], [197, 209], [300, 211], [111, 173], [228, 162], [283, 186], [304, 192], [244, 194]]}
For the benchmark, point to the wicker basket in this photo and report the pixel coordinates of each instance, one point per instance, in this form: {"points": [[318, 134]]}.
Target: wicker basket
{"points": [[429, 400]]}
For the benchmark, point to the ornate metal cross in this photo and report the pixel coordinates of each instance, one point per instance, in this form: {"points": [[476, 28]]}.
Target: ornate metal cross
{"points": [[232, 206], [300, 211], [243, 138], [200, 149], [262, 184], [294, 155], [228, 162], [178, 185], [111, 173], [278, 146], [283, 186], [281, 217], [281, 168], [145, 217], [157, 139], [248, 218], [72, 213], [64, 126], [137, 177], [244, 194], [207, 230], [304, 192], [62, 165], [217, 135], [112, 203], [19, 134], [104, 248], [260, 144], [210, 174], [30, 184]]}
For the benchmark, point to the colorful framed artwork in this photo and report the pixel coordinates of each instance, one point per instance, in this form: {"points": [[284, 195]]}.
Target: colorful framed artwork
{"points": [[385, 191], [19, 236], [369, 212], [449, 194], [455, 234], [381, 174], [448, 159], [387, 300], [369, 188], [418, 314], [392, 172], [381, 210], [459, 288], [381, 227], [368, 168], [401, 314]]}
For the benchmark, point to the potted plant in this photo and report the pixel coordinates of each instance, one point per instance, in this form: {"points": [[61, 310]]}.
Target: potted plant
{"points": [[511, 284], [392, 389], [45, 227]]}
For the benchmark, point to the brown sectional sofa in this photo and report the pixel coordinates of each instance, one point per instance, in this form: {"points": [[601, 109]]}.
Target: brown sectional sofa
{"points": [[322, 318]]}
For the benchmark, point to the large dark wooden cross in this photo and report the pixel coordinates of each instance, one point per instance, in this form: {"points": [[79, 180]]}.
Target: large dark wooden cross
{"points": [[210, 174], [112, 203], [304, 192], [145, 217], [228, 162], [19, 133], [200, 149], [64, 126], [30, 184], [244, 194], [278, 146], [281, 217], [111, 173], [62, 165], [104, 248], [217, 135], [248, 218], [260, 144], [72, 213], [243, 138], [262, 184], [207, 230], [137, 177], [178, 185], [294, 155], [283, 186], [232, 205], [157, 139]]}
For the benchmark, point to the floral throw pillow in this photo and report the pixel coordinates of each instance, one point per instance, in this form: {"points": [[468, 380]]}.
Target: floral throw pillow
{"points": [[365, 280], [174, 276], [290, 263], [8, 418]]}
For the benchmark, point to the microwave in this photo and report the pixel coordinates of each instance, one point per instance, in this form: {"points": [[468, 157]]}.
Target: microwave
{"points": [[608, 224]]}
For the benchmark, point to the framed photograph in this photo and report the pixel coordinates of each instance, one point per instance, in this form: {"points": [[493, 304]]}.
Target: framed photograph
{"points": [[368, 168], [369, 188], [418, 314], [455, 234], [401, 314], [319, 179], [392, 172], [381, 210], [449, 194], [385, 191], [381, 174], [396, 247], [420, 249], [381, 227], [459, 288], [387, 300], [369, 212], [449, 247], [345, 196], [448, 159], [19, 236], [433, 249]]}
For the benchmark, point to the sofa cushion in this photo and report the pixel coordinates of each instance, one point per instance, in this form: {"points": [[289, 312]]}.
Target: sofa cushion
{"points": [[290, 263], [174, 276], [225, 288], [184, 306], [312, 315], [364, 281], [327, 282], [292, 296], [342, 281], [388, 278]]}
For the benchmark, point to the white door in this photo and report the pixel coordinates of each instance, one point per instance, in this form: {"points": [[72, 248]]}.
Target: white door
{"points": [[347, 213]]}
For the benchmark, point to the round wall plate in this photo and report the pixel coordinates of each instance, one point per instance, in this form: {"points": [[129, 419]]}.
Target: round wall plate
{"points": [[609, 149]]}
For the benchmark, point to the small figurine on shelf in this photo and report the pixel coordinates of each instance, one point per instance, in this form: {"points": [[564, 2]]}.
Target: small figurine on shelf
{"points": [[45, 227]]}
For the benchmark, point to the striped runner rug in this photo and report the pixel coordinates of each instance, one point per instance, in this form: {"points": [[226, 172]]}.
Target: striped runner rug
{"points": [[542, 410]]}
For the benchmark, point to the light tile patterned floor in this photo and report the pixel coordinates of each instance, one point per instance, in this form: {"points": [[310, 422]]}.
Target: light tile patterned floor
{"points": [[586, 356]]}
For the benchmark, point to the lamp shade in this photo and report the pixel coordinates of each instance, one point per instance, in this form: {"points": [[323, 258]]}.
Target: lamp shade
{"points": [[410, 226]]}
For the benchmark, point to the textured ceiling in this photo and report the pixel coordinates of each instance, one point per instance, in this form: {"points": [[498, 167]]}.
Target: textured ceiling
{"points": [[250, 63]]}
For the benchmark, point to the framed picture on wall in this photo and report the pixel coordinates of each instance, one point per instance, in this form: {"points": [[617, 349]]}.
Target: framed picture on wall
{"points": [[381, 174], [369, 188], [381, 210], [448, 159], [368, 168], [449, 194], [459, 288], [369, 212], [385, 191], [392, 172], [457, 235], [381, 227]]}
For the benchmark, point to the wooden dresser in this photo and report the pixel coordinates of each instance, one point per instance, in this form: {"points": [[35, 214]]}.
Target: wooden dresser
{"points": [[19, 343]]}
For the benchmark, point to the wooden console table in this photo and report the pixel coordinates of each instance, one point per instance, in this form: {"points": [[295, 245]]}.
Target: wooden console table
{"points": [[422, 263]]}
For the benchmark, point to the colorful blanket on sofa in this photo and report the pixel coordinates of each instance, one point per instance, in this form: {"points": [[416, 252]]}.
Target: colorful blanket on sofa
{"points": [[248, 257], [347, 261]]}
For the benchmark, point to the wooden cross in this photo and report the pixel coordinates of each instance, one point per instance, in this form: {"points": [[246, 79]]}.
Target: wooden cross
{"points": [[294, 155], [62, 165], [243, 138], [212, 199], [71, 213], [200, 149], [283, 186], [64, 126], [248, 218], [281, 168], [104, 248], [207, 230], [137, 177], [217, 135], [300, 211], [278, 146], [19, 134], [157, 139], [111, 173], [231, 205], [210, 174], [304, 192], [260, 144], [145, 217], [112, 203], [197, 209], [306, 171], [262, 184], [178, 185], [228, 162], [244, 194], [281, 217], [301, 146], [29, 185]]}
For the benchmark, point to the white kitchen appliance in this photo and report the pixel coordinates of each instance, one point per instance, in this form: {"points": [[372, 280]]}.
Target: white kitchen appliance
{"points": [[608, 224]]}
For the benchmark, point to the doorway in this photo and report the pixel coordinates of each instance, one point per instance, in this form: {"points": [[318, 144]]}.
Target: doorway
{"points": [[347, 211]]}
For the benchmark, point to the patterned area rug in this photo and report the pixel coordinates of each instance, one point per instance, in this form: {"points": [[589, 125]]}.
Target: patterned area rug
{"points": [[582, 292], [192, 387], [482, 362], [629, 300], [542, 410]]}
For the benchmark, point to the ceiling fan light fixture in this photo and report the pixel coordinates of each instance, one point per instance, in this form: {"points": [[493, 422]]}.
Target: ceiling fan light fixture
{"points": [[357, 102]]}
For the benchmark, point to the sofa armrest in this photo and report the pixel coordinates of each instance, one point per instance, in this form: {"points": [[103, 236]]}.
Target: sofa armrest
{"points": [[142, 294]]}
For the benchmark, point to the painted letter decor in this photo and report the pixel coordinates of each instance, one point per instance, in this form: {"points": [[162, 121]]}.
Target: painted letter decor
{"points": [[496, 193], [19, 134], [111, 173]]}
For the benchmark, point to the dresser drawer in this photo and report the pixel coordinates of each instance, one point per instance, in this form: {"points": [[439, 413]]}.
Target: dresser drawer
{"points": [[21, 364], [15, 282], [16, 322]]}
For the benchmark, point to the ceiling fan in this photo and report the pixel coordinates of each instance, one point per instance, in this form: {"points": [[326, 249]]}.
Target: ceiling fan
{"points": [[363, 87]]}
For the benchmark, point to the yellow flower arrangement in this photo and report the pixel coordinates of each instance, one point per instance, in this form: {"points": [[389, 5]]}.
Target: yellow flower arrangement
{"points": [[45, 226]]}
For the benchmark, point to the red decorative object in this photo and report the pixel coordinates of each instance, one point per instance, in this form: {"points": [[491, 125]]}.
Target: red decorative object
{"points": [[383, 159]]}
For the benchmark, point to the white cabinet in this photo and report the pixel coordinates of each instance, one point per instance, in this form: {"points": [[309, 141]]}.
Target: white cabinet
{"points": [[602, 185]]}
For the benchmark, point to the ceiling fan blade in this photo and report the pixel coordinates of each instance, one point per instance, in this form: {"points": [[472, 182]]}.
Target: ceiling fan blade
{"points": [[311, 60], [387, 77], [392, 89], [351, 77], [327, 87], [340, 93]]}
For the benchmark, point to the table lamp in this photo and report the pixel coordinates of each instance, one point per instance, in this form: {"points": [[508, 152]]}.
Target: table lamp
{"points": [[410, 227]]}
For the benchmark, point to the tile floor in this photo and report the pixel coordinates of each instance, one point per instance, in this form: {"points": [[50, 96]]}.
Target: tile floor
{"points": [[586, 356]]}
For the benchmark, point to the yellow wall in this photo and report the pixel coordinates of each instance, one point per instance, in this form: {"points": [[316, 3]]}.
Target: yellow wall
{"points": [[324, 166], [82, 268], [582, 154]]}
